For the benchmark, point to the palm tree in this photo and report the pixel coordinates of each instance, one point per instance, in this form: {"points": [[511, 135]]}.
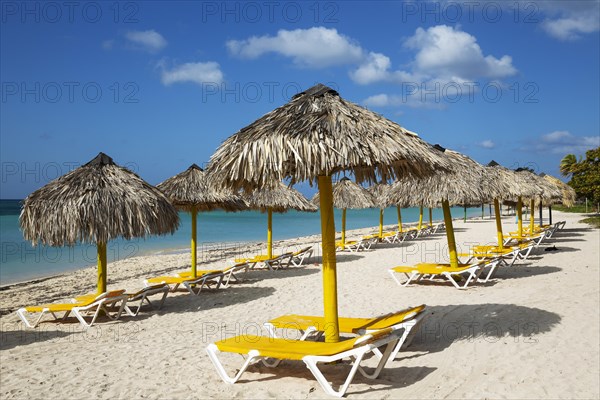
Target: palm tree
{"points": [[568, 164]]}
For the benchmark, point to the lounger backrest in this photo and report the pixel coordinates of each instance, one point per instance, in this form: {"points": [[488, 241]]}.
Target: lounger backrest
{"points": [[372, 336], [389, 320]]}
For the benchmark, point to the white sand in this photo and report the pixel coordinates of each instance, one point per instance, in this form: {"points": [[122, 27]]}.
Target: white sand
{"points": [[531, 333]]}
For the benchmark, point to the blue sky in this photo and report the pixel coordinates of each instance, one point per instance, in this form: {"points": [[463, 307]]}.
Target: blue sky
{"points": [[158, 86]]}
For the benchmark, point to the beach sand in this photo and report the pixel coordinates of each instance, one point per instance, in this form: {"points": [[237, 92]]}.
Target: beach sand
{"points": [[531, 333]]}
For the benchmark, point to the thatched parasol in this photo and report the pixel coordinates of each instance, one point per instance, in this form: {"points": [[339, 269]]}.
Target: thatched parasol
{"points": [[277, 198], [95, 203], [347, 195], [379, 193], [465, 183], [315, 135], [513, 187], [192, 191], [543, 189], [568, 194]]}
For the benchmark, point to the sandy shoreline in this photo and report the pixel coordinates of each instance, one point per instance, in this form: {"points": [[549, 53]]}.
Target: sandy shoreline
{"points": [[531, 333]]}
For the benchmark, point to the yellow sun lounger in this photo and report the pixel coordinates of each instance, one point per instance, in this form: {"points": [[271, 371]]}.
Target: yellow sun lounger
{"points": [[80, 307], [405, 319], [258, 348], [272, 263], [142, 296], [203, 278], [429, 271], [299, 256], [228, 273]]}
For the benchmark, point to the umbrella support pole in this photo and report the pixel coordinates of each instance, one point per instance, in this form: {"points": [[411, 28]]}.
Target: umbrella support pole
{"points": [[550, 215], [430, 217], [498, 223], [399, 219], [343, 228], [531, 215], [330, 306], [420, 217], [101, 247], [450, 234], [193, 242], [270, 233], [380, 223], [541, 213], [520, 216]]}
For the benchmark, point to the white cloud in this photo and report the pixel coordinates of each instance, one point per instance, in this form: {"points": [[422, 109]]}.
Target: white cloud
{"points": [[200, 73], [444, 51], [150, 41], [563, 142], [571, 28], [416, 100], [443, 54], [446, 67], [316, 47], [487, 144]]}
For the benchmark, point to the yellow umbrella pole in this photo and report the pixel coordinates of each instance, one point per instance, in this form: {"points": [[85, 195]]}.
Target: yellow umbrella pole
{"points": [[520, 216], [193, 243], [343, 228], [380, 222], [450, 234], [430, 217], [399, 219], [270, 233], [101, 247], [531, 215], [498, 223], [482, 211], [541, 212], [330, 308], [420, 217]]}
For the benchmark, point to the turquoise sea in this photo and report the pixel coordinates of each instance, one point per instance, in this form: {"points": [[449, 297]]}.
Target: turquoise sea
{"points": [[20, 261]]}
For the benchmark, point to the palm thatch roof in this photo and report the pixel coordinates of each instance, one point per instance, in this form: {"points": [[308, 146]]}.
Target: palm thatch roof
{"points": [[318, 133], [96, 202], [467, 183], [348, 195], [279, 198], [544, 189], [379, 192], [193, 189], [568, 196]]}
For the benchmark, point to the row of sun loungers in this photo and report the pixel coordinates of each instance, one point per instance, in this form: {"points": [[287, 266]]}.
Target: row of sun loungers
{"points": [[367, 241], [481, 263], [113, 304]]}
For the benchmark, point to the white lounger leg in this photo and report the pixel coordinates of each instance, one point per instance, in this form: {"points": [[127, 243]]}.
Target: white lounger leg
{"points": [[213, 352], [312, 361]]}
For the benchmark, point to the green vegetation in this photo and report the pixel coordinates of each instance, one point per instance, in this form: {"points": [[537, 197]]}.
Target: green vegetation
{"points": [[577, 208], [585, 174], [593, 221]]}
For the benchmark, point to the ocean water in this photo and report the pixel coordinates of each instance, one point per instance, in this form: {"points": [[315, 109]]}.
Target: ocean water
{"points": [[20, 261]]}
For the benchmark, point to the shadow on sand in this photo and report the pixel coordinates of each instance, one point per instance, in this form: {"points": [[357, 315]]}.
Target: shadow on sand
{"points": [[444, 325]]}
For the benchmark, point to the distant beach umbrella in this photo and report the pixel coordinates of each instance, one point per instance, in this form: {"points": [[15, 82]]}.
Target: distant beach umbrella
{"points": [[347, 195], [95, 203], [379, 193], [568, 194], [278, 198], [465, 183], [513, 188], [544, 190], [192, 191], [315, 135]]}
